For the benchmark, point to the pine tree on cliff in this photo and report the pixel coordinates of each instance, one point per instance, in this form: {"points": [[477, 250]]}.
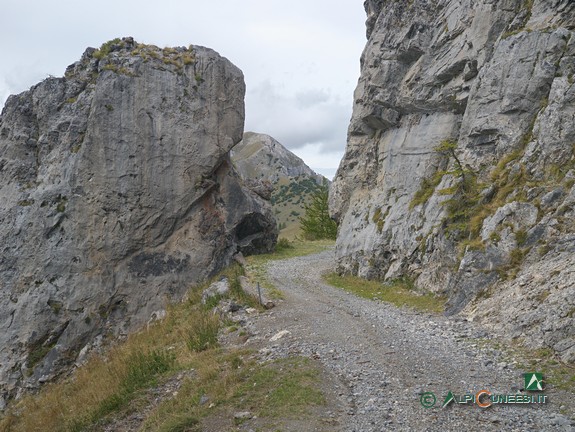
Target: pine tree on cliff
{"points": [[316, 223]]}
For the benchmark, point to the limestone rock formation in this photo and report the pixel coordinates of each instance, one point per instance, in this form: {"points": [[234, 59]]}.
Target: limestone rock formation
{"points": [[117, 195], [263, 157], [460, 168], [273, 171]]}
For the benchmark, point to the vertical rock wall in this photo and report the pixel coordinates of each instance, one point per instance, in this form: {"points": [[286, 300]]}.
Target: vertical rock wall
{"points": [[459, 167]]}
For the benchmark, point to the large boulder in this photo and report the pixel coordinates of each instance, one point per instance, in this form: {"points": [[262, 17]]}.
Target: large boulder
{"points": [[117, 195]]}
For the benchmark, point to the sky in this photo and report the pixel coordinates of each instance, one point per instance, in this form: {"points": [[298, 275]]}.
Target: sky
{"points": [[300, 58]]}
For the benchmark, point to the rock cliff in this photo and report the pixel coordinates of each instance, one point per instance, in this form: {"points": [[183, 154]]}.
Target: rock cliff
{"points": [[459, 170], [267, 166], [117, 194]]}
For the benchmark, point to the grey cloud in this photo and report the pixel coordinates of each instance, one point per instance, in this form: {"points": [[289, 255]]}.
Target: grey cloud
{"points": [[312, 97], [309, 50], [309, 117]]}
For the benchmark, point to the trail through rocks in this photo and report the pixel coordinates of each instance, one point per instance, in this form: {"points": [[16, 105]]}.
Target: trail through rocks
{"points": [[383, 359]]}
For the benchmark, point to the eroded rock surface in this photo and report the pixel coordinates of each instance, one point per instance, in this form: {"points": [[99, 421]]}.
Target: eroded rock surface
{"points": [[459, 167], [118, 194]]}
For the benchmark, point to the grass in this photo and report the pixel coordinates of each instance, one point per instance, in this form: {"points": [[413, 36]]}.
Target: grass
{"points": [[205, 334], [287, 386], [426, 189], [103, 386], [278, 390], [521, 237], [400, 292]]}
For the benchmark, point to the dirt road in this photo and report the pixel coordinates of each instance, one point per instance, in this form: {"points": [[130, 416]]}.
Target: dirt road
{"points": [[384, 361]]}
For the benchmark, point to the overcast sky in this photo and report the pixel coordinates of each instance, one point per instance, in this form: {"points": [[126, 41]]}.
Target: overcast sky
{"points": [[300, 58]]}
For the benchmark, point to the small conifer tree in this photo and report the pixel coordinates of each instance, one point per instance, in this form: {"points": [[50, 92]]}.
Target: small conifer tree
{"points": [[316, 223]]}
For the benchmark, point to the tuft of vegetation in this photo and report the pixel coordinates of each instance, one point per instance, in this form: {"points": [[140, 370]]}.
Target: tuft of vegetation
{"points": [[446, 148], [106, 48], [38, 351], [283, 244], [399, 292], [61, 203], [521, 237], [56, 306], [426, 189], [204, 335], [510, 270], [379, 219], [316, 223]]}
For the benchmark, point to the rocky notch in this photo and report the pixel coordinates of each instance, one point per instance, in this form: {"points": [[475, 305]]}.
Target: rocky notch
{"points": [[272, 170], [459, 167], [118, 194]]}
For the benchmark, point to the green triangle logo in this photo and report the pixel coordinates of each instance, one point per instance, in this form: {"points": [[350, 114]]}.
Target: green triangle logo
{"points": [[448, 399], [533, 381]]}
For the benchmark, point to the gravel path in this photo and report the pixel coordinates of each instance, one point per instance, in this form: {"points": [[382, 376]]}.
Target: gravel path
{"points": [[385, 358]]}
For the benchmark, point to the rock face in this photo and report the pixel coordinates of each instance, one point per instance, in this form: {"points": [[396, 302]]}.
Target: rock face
{"points": [[118, 194], [273, 171], [259, 156], [459, 167]]}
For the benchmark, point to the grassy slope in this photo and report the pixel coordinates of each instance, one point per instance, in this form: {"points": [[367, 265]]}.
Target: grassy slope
{"points": [[288, 202]]}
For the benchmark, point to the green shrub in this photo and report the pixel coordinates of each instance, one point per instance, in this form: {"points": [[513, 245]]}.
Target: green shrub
{"points": [[283, 244], [495, 237], [106, 48], [426, 189]]}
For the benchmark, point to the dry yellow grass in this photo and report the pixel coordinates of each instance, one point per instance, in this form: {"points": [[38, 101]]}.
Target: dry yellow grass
{"points": [[73, 403], [106, 383]]}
